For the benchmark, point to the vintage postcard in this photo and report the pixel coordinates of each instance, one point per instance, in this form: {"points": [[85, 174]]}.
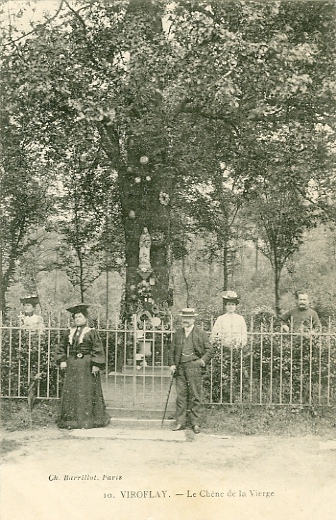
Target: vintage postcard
{"points": [[168, 257]]}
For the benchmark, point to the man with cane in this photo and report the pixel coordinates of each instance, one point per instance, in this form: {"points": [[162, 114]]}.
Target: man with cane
{"points": [[189, 353]]}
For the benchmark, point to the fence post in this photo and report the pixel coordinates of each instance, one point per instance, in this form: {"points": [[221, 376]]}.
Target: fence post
{"points": [[328, 373], [134, 317], [271, 361], [320, 362], [10, 359], [261, 363], [251, 359], [301, 369], [48, 355], [58, 377], [280, 368], [116, 345], [291, 365], [310, 361], [107, 350], [0, 352], [19, 362], [231, 375], [211, 368]]}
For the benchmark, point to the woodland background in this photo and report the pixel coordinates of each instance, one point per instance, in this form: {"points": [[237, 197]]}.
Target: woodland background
{"points": [[209, 122]]}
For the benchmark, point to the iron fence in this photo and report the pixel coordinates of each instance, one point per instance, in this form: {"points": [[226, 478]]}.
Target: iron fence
{"points": [[273, 368]]}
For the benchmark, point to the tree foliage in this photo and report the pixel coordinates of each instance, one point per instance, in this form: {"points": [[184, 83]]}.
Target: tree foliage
{"points": [[178, 117], [23, 202]]}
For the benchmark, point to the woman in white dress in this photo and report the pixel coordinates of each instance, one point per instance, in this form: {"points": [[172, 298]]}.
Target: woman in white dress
{"points": [[29, 320], [230, 328], [229, 337]]}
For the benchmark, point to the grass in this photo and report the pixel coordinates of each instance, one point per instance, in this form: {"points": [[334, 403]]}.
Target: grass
{"points": [[271, 420], [15, 414], [232, 420], [8, 445]]}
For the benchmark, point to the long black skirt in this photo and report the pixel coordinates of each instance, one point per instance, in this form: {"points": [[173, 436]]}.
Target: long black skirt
{"points": [[82, 401]]}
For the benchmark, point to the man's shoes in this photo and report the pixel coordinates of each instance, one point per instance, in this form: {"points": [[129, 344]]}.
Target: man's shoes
{"points": [[178, 427], [196, 428]]}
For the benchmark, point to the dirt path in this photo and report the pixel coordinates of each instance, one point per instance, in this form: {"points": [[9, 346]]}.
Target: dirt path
{"points": [[161, 475]]}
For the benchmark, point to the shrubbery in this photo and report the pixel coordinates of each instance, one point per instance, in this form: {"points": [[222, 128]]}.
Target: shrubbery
{"points": [[273, 368], [25, 355]]}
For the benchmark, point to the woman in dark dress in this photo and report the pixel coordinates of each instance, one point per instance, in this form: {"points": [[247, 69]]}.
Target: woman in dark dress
{"points": [[81, 355]]}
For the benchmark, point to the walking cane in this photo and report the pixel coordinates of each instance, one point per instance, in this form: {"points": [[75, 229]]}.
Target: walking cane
{"points": [[170, 387]]}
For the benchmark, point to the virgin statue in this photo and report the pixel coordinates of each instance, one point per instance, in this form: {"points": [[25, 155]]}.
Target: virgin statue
{"points": [[144, 250]]}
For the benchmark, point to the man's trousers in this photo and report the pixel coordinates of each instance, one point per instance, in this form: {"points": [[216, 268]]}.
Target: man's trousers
{"points": [[189, 390]]}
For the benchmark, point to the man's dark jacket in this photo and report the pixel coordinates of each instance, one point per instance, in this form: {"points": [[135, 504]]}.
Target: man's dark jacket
{"points": [[201, 344]]}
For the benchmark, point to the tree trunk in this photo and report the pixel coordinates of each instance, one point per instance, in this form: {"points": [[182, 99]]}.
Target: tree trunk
{"points": [[141, 208], [256, 255], [145, 186], [225, 265], [185, 278], [2, 285], [81, 277], [107, 288], [210, 276], [277, 276], [7, 275]]}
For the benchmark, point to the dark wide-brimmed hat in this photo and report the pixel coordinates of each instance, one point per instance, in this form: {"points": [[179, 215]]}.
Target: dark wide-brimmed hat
{"points": [[33, 300], [188, 312], [230, 297], [80, 307]]}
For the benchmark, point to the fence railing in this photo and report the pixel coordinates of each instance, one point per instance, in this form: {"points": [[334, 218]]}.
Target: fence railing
{"points": [[274, 367]]}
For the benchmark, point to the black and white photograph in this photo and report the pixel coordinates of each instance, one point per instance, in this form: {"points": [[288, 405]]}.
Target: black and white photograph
{"points": [[168, 259]]}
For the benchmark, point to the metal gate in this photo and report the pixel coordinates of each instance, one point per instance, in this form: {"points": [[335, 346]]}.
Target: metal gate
{"points": [[274, 368]]}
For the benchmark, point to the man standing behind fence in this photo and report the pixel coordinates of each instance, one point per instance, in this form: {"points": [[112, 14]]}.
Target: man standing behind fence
{"points": [[303, 322], [190, 352], [302, 318]]}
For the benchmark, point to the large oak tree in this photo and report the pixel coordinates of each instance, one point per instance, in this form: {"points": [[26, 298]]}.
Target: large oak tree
{"points": [[245, 84]]}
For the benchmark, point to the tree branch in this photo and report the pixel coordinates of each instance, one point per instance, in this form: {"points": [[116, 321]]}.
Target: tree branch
{"points": [[184, 109], [110, 136], [39, 26], [324, 207], [234, 215], [98, 63]]}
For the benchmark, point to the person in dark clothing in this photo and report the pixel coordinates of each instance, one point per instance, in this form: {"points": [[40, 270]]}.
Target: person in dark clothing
{"points": [[304, 327], [190, 352], [302, 318], [81, 355]]}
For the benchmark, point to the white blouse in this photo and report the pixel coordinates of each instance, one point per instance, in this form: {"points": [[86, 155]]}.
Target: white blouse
{"points": [[34, 323], [230, 329]]}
